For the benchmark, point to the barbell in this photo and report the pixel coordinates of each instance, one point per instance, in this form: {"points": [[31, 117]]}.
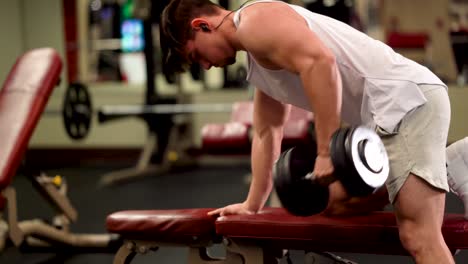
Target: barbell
{"points": [[360, 163], [77, 111]]}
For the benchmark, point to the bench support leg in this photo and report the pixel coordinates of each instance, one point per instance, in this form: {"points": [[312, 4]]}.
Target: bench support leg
{"points": [[197, 254], [125, 254], [201, 256], [253, 253]]}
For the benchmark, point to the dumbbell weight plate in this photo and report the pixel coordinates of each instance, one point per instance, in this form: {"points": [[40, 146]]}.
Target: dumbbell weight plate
{"points": [[344, 169], [368, 162], [298, 195], [338, 152]]}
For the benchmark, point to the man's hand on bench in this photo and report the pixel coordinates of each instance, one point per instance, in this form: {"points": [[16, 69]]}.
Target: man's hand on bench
{"points": [[233, 209]]}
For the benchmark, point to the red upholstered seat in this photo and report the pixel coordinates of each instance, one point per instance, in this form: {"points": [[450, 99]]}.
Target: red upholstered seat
{"points": [[23, 98], [187, 226], [231, 137], [242, 112], [234, 137], [376, 233], [296, 131]]}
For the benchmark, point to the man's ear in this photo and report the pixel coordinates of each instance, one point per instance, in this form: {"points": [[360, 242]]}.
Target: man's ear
{"points": [[200, 24]]}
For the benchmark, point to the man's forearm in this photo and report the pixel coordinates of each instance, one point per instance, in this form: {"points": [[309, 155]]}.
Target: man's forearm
{"points": [[265, 150], [322, 83]]}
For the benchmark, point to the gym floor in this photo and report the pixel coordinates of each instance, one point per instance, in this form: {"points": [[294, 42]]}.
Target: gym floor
{"points": [[212, 185]]}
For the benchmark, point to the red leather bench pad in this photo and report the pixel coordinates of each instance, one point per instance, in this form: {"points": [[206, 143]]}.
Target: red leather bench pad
{"points": [[374, 233], [22, 100], [233, 136], [171, 226]]}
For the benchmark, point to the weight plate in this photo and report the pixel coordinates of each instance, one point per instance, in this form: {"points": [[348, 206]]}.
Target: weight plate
{"points": [[369, 158], [77, 111], [338, 151], [298, 195]]}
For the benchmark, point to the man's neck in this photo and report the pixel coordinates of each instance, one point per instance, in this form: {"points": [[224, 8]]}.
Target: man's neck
{"points": [[228, 29]]}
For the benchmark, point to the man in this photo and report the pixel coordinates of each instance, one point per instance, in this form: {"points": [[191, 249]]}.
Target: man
{"points": [[297, 57]]}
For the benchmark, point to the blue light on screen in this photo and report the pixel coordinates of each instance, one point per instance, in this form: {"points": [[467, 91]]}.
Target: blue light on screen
{"points": [[132, 35]]}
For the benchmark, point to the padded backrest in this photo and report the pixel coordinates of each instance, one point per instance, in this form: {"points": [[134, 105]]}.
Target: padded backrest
{"points": [[23, 98]]}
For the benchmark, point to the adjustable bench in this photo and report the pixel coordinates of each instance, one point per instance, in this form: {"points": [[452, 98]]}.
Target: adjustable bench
{"points": [[260, 238], [23, 98]]}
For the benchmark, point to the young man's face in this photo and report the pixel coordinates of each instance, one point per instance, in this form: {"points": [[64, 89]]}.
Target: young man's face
{"points": [[210, 49]]}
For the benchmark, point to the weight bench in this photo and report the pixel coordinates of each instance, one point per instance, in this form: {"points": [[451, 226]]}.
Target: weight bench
{"points": [[23, 98], [260, 238], [235, 136]]}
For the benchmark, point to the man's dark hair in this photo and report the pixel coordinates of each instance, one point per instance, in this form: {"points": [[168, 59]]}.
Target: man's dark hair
{"points": [[175, 31]]}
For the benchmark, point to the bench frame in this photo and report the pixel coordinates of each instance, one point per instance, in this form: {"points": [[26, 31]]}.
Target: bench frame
{"points": [[36, 235]]}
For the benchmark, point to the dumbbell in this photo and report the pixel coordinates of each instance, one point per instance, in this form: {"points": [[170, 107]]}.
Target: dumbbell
{"points": [[360, 163]]}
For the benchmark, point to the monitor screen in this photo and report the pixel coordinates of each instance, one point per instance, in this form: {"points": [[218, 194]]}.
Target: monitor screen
{"points": [[132, 35]]}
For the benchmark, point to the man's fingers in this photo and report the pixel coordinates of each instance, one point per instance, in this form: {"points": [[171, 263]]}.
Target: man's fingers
{"points": [[215, 212], [225, 212]]}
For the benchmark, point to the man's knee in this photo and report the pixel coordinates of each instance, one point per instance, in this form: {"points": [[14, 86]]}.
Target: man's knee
{"points": [[411, 237], [416, 239]]}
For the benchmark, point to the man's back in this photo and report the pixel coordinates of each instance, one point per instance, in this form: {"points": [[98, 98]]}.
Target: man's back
{"points": [[379, 85]]}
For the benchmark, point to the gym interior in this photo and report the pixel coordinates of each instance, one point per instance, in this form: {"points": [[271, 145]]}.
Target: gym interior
{"points": [[116, 134]]}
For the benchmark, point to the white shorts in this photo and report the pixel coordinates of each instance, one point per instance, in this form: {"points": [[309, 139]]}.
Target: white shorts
{"points": [[418, 143]]}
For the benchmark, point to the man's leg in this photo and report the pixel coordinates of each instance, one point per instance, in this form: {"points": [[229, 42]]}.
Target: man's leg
{"points": [[340, 204], [457, 170], [418, 183], [419, 208]]}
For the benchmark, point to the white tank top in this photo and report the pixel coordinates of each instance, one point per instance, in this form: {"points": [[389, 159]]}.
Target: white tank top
{"points": [[379, 85]]}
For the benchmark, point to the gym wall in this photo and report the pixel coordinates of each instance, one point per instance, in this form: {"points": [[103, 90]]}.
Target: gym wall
{"points": [[11, 25]]}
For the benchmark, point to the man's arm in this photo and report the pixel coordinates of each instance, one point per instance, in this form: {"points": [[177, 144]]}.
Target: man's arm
{"points": [[268, 121], [280, 38]]}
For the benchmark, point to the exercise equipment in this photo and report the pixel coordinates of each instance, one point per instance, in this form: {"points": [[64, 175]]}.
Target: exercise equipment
{"points": [[235, 136], [77, 111], [167, 145], [22, 101], [360, 162], [261, 237], [110, 112]]}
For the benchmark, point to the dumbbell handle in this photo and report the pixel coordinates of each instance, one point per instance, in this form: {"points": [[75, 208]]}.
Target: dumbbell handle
{"points": [[323, 181]]}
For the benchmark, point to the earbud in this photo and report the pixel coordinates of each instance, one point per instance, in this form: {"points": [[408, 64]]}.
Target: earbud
{"points": [[204, 27]]}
